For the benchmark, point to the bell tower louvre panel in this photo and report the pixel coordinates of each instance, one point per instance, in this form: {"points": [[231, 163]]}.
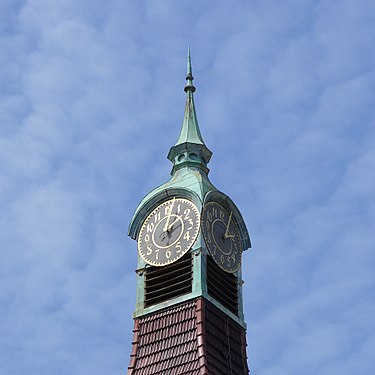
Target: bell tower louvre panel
{"points": [[165, 283], [222, 286], [192, 338]]}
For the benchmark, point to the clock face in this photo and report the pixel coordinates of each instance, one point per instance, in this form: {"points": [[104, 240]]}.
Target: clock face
{"points": [[168, 232], [222, 236]]}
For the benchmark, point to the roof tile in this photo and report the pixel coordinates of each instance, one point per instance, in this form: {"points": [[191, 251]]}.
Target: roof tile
{"points": [[193, 338]]}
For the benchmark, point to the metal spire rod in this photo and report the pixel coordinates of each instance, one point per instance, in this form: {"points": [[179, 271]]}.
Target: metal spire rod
{"points": [[189, 75]]}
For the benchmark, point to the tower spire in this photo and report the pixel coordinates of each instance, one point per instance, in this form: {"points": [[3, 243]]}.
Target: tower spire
{"points": [[189, 75], [190, 138]]}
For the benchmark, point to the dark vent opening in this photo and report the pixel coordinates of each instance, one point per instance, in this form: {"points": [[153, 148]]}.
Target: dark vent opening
{"points": [[222, 286], [164, 283]]}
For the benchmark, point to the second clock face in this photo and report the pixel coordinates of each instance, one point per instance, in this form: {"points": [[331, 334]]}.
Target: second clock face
{"points": [[222, 237], [169, 232]]}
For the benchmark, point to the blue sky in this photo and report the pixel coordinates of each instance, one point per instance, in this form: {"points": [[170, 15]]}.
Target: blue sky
{"points": [[91, 99]]}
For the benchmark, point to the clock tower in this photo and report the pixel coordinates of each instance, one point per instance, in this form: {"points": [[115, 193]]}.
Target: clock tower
{"points": [[190, 237]]}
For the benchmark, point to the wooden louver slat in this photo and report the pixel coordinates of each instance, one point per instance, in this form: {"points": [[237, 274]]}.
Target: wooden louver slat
{"points": [[222, 286], [163, 283]]}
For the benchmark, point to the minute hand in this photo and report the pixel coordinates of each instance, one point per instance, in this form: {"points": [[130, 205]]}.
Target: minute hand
{"points": [[226, 235]]}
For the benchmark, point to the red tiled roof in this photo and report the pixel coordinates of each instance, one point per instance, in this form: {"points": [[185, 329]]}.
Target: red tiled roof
{"points": [[193, 338]]}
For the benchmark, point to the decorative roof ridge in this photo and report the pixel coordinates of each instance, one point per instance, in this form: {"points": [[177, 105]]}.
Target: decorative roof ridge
{"points": [[133, 355], [200, 316]]}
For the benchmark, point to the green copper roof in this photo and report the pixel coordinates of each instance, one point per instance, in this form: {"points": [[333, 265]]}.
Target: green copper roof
{"points": [[189, 150], [189, 180], [190, 157], [190, 129]]}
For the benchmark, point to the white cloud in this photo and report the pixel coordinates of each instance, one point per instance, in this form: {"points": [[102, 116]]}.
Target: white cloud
{"points": [[91, 100]]}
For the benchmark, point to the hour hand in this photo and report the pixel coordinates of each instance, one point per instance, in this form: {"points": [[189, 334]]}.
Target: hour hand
{"points": [[171, 225]]}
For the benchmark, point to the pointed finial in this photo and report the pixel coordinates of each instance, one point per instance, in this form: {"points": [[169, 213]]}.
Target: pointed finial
{"points": [[189, 150], [189, 75]]}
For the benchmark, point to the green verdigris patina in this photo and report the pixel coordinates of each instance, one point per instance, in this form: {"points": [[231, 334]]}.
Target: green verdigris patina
{"points": [[190, 157]]}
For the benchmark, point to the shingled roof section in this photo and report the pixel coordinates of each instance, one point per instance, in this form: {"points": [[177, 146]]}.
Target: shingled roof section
{"points": [[225, 343], [166, 342], [193, 338]]}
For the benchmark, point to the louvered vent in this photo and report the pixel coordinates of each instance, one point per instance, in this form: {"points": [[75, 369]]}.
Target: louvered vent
{"points": [[222, 286], [164, 283]]}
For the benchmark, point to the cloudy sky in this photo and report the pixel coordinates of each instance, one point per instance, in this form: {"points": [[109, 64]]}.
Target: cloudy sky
{"points": [[91, 99]]}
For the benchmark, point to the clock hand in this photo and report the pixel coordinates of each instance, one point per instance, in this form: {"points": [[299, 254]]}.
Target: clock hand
{"points": [[171, 229], [164, 235], [165, 229], [171, 225], [168, 235], [226, 235]]}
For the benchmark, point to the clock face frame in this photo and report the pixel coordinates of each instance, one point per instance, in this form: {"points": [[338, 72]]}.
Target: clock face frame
{"points": [[168, 232], [222, 236]]}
